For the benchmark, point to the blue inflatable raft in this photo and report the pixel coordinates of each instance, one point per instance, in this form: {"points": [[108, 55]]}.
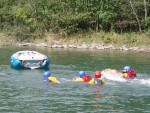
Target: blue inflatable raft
{"points": [[29, 60]]}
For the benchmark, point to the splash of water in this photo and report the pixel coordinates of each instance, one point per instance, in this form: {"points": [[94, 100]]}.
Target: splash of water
{"points": [[112, 74], [145, 81]]}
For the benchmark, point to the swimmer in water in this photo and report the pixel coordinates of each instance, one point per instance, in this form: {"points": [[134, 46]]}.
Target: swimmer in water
{"points": [[83, 77], [47, 75], [128, 72], [97, 79]]}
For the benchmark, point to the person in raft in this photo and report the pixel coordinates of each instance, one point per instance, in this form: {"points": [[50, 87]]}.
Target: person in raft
{"points": [[128, 72], [48, 76], [83, 77]]}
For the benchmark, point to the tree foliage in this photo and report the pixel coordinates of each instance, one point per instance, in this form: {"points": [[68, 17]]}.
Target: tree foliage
{"points": [[73, 16]]}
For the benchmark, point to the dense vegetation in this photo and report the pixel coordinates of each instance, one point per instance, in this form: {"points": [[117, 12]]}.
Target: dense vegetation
{"points": [[73, 16]]}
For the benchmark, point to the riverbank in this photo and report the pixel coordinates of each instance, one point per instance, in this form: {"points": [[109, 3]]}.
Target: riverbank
{"points": [[99, 41]]}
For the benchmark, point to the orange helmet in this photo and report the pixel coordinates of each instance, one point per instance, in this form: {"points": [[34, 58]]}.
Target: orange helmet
{"points": [[97, 74]]}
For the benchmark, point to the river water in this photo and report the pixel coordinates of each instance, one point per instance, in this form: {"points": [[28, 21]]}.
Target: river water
{"points": [[25, 91]]}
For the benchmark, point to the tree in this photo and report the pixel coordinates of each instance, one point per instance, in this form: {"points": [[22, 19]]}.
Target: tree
{"points": [[145, 9], [136, 16]]}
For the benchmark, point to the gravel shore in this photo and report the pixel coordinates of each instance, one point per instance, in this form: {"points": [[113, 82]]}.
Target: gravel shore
{"points": [[83, 46]]}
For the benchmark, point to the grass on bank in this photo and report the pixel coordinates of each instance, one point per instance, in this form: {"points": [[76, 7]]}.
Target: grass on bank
{"points": [[100, 38]]}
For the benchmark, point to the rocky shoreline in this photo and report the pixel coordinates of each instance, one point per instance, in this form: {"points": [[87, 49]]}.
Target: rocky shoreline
{"points": [[75, 43], [84, 46]]}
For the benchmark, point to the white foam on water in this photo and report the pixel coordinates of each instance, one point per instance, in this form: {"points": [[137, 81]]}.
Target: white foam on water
{"points": [[113, 76], [143, 81], [65, 80], [2, 74]]}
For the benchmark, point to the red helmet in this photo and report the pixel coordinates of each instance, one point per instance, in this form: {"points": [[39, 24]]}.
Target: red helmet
{"points": [[97, 74]]}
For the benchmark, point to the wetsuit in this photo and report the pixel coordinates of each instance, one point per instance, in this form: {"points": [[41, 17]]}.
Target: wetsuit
{"points": [[99, 81]]}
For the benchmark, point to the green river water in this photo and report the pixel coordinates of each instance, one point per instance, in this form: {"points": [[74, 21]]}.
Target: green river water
{"points": [[25, 91]]}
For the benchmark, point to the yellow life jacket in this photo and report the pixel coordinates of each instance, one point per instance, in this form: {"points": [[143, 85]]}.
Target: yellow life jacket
{"points": [[125, 75], [103, 81], [53, 79], [78, 79], [93, 81]]}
